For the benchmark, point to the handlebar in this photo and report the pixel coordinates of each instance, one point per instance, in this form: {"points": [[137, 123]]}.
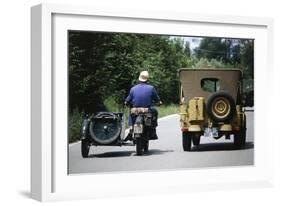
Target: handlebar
{"points": [[126, 103], [159, 103]]}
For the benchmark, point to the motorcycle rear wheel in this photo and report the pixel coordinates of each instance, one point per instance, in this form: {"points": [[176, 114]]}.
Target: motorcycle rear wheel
{"points": [[139, 146]]}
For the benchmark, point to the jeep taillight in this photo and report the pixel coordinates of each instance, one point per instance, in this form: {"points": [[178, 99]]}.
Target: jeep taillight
{"points": [[184, 129]]}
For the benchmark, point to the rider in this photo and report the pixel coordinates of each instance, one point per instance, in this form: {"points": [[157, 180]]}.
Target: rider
{"points": [[142, 95]]}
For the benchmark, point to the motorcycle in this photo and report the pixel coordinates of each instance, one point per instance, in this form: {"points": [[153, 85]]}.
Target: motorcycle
{"points": [[144, 128], [108, 129]]}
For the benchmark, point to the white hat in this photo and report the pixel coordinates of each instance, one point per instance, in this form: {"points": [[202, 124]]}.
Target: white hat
{"points": [[143, 76]]}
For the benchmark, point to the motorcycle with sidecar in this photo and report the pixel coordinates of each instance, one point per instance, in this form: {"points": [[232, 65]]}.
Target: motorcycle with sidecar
{"points": [[108, 129]]}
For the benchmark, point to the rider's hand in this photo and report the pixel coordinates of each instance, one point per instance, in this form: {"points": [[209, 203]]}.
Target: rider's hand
{"points": [[159, 103]]}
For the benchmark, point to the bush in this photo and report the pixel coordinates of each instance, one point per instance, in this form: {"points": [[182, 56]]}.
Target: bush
{"points": [[166, 110], [74, 124], [205, 63]]}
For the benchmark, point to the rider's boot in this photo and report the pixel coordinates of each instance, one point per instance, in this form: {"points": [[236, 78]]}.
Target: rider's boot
{"points": [[129, 136], [154, 134]]}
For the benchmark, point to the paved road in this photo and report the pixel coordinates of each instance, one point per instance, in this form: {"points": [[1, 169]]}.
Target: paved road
{"points": [[164, 153]]}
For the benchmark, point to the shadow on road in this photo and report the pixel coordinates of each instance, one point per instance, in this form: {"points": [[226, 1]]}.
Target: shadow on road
{"points": [[156, 152], [128, 153], [220, 147], [112, 154]]}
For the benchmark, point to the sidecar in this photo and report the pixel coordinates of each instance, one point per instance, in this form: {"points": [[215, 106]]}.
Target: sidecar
{"points": [[102, 129]]}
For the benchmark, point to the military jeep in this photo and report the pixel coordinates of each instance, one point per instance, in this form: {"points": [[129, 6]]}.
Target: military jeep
{"points": [[211, 105]]}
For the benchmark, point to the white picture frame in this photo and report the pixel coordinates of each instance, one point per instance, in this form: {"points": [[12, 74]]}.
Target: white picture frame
{"points": [[49, 178]]}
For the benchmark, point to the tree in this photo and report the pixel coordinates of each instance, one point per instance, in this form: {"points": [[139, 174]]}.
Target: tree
{"points": [[87, 72], [247, 58], [212, 48], [103, 65], [234, 52], [106, 65], [187, 49]]}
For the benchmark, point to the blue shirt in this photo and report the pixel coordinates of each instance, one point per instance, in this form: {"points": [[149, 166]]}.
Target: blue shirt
{"points": [[143, 95]]}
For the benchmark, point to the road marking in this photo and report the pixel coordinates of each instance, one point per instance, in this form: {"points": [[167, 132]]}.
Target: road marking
{"points": [[167, 117], [75, 143], [127, 130]]}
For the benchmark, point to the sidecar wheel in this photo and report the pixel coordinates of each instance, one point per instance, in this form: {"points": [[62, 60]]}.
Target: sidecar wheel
{"points": [[85, 147]]}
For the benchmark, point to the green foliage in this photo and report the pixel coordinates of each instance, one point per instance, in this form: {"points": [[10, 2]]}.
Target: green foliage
{"points": [[104, 66], [248, 85], [74, 123], [213, 48], [108, 64], [205, 63], [166, 110], [247, 59], [231, 52]]}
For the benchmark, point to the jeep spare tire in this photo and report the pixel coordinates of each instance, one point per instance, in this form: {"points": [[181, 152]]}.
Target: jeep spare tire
{"points": [[220, 107], [105, 127]]}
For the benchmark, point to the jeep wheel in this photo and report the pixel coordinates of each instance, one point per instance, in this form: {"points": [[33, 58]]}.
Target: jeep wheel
{"points": [[220, 106], [196, 139], [85, 147], [240, 137], [186, 141]]}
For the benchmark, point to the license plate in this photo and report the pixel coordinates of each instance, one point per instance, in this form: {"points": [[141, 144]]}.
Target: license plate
{"points": [[211, 132], [138, 128], [215, 132]]}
